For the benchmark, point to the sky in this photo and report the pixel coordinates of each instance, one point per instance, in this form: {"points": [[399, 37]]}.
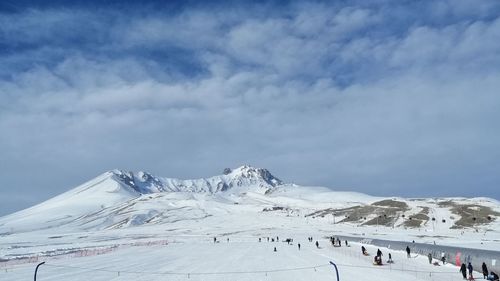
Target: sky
{"points": [[389, 98]]}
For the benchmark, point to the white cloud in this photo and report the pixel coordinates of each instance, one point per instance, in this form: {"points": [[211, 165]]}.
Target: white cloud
{"points": [[319, 95]]}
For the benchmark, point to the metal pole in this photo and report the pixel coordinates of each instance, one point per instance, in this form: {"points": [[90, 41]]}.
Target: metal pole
{"points": [[36, 270], [336, 270]]}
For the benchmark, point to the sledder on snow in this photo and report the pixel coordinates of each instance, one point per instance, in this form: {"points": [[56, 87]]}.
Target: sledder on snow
{"points": [[363, 251], [377, 260]]}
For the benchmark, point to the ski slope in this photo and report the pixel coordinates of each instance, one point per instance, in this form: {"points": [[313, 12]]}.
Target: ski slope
{"points": [[242, 258]]}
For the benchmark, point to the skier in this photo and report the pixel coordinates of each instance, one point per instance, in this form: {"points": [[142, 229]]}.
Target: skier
{"points": [[471, 269], [430, 258], [215, 239], [485, 270], [377, 260], [317, 244], [346, 244], [363, 251], [260, 239], [443, 258], [275, 249], [408, 252], [463, 270], [379, 253], [298, 246], [277, 239]]}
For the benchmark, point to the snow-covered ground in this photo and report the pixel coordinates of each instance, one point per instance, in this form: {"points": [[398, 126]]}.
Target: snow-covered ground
{"points": [[242, 258], [134, 226]]}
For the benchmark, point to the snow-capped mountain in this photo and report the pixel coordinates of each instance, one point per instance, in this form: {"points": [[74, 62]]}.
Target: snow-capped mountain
{"points": [[261, 180], [118, 199]]}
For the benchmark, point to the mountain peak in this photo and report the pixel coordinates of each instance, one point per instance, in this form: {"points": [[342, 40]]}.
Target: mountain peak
{"points": [[261, 180], [249, 172]]}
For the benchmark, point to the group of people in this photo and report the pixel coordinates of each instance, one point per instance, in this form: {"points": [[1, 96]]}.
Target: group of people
{"points": [[289, 241], [488, 275], [377, 260]]}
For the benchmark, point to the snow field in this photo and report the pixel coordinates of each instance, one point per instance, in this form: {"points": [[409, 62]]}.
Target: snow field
{"points": [[239, 259]]}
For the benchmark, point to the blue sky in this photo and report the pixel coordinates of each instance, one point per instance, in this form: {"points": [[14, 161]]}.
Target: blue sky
{"points": [[393, 98]]}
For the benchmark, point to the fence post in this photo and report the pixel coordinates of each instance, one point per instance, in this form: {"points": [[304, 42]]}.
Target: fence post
{"points": [[336, 270], [36, 270]]}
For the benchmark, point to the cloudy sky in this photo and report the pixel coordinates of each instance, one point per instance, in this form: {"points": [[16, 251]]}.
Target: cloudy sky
{"points": [[396, 98]]}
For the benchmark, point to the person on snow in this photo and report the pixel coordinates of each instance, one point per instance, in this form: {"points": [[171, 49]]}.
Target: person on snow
{"points": [[346, 244], [275, 249], [471, 269], [298, 245], [408, 252], [463, 270], [493, 276], [317, 244], [363, 250], [390, 259], [443, 258], [429, 256], [215, 239], [485, 270], [377, 260], [379, 253]]}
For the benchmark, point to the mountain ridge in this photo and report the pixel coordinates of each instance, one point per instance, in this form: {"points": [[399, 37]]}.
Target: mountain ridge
{"points": [[146, 183], [121, 199]]}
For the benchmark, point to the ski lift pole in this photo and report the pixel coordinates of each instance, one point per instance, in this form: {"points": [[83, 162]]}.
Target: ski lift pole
{"points": [[336, 270], [36, 270]]}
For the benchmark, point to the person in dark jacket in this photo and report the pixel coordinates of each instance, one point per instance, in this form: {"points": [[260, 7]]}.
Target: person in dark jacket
{"points": [[443, 258], [429, 256], [408, 251], [493, 276], [390, 259], [317, 244], [485, 270], [471, 269], [463, 270], [379, 253], [363, 250]]}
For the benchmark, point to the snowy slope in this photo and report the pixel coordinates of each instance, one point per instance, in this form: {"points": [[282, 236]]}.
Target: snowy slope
{"points": [[245, 200], [118, 209], [118, 199]]}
